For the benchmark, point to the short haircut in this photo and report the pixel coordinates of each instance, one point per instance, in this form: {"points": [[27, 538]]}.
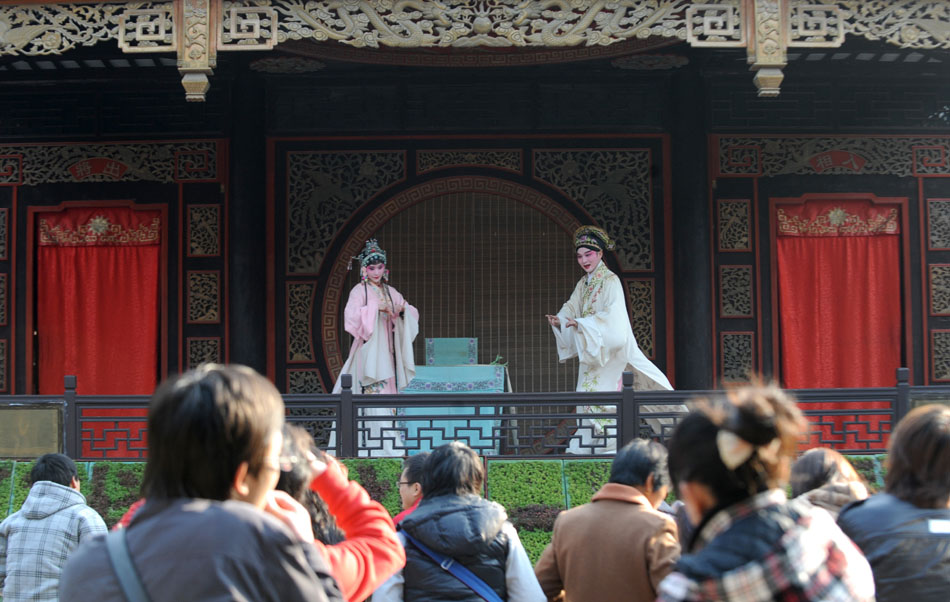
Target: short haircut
{"points": [[202, 425], [758, 414], [636, 461], [414, 467], [453, 468], [819, 466], [918, 459], [58, 468]]}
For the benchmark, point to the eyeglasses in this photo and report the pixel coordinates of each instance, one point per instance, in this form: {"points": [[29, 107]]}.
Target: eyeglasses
{"points": [[398, 483]]}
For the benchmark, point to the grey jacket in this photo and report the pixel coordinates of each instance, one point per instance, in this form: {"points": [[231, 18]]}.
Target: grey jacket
{"points": [[194, 549], [36, 541]]}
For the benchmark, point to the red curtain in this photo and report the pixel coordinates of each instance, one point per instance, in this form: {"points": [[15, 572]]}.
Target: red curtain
{"points": [[840, 308], [839, 294], [97, 308]]}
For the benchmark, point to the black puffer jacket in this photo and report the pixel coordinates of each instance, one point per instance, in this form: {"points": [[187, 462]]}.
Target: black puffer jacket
{"points": [[908, 547], [467, 528]]}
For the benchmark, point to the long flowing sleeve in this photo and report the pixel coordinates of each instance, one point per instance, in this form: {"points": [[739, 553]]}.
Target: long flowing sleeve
{"points": [[359, 317], [564, 336], [406, 328]]}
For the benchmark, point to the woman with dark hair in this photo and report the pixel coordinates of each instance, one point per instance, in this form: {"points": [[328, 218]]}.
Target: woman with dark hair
{"points": [[905, 531], [381, 360], [455, 525], [729, 460], [825, 478], [295, 478]]}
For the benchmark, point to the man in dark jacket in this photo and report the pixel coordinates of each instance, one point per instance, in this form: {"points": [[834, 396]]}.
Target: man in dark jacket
{"points": [[212, 528], [905, 532], [454, 520]]}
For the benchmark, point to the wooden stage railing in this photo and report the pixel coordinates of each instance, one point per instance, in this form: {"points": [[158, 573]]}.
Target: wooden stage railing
{"points": [[539, 425]]}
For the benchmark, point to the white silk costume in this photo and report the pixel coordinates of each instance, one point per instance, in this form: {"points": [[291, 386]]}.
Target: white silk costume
{"points": [[381, 358], [605, 346]]}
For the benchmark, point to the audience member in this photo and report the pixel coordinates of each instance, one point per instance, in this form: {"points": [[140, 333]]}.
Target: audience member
{"points": [[37, 540], [295, 478], [729, 461], [618, 547], [825, 478], [371, 552], [410, 484], [363, 550], [905, 531], [460, 528], [203, 533]]}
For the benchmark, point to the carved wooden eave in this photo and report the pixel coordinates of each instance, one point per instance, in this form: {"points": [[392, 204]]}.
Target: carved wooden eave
{"points": [[196, 30]]}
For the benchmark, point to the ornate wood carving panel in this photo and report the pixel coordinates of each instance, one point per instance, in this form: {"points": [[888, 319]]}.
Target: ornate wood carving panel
{"points": [[4, 366], [938, 224], [738, 356], [324, 190], [201, 350], [642, 296], [940, 355], [4, 220], [432, 160], [3, 299], [735, 225], [736, 296], [300, 305], [304, 381], [204, 296], [204, 231], [165, 162], [940, 289], [197, 29], [614, 186], [845, 155]]}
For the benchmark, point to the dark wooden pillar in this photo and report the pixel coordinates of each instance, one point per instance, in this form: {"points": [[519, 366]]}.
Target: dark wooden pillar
{"points": [[691, 232], [247, 252]]}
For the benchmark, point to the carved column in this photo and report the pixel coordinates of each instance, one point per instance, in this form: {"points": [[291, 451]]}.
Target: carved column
{"points": [[197, 54], [766, 50]]}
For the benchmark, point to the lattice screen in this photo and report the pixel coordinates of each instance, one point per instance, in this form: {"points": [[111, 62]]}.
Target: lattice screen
{"points": [[479, 265]]}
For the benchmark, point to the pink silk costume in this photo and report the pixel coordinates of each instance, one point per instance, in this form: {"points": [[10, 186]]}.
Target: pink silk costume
{"points": [[381, 357]]}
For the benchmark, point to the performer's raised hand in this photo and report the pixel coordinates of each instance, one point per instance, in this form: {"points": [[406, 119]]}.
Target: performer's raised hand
{"points": [[570, 323], [553, 320]]}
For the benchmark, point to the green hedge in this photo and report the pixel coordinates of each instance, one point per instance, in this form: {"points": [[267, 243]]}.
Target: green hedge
{"points": [[379, 477], [533, 492]]}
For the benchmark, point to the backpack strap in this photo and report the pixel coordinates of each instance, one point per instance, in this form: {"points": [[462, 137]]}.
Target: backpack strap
{"points": [[457, 569], [129, 580]]}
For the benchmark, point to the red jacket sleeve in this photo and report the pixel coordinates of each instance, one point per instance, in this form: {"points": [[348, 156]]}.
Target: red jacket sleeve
{"points": [[371, 553]]}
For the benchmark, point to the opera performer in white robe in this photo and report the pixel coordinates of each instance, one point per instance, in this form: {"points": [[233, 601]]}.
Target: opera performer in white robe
{"points": [[594, 327], [381, 360]]}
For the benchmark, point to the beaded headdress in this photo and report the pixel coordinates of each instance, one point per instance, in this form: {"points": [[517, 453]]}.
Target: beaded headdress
{"points": [[594, 237], [371, 253]]}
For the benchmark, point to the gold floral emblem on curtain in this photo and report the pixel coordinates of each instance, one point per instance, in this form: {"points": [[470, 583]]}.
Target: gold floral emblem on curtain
{"points": [[99, 231], [837, 221]]}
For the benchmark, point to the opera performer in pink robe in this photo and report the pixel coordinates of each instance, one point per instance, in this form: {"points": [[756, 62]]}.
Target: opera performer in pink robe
{"points": [[381, 361]]}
